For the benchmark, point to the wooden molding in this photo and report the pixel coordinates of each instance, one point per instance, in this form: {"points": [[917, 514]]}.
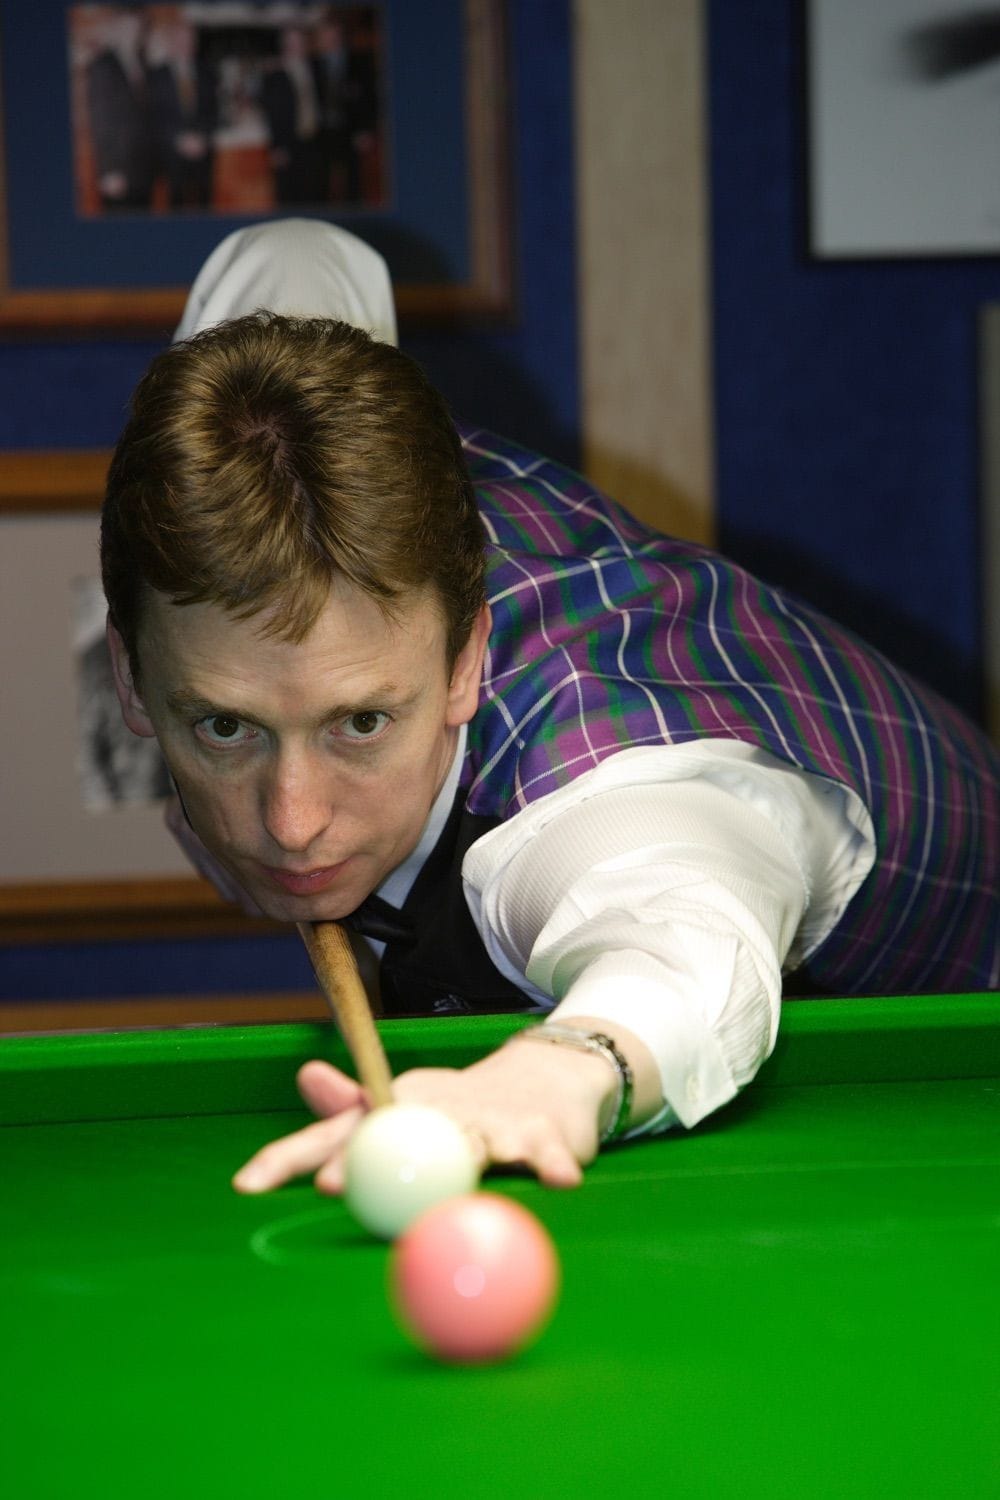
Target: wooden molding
{"points": [[139, 1012], [53, 480], [119, 910]]}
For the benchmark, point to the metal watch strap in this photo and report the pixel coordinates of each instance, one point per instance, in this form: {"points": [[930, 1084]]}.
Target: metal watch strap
{"points": [[601, 1045]]}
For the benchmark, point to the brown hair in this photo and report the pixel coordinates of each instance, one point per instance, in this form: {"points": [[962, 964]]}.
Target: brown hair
{"points": [[269, 456]]}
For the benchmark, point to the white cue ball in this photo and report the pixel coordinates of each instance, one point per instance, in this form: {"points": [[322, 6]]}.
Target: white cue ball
{"points": [[401, 1159]]}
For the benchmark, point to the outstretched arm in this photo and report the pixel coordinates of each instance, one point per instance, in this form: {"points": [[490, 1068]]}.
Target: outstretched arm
{"points": [[659, 915], [540, 1108]]}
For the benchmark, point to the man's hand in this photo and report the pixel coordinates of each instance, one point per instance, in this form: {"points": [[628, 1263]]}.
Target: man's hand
{"points": [[526, 1105], [113, 184]]}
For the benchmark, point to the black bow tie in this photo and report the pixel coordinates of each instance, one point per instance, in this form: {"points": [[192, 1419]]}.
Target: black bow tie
{"points": [[378, 919]]}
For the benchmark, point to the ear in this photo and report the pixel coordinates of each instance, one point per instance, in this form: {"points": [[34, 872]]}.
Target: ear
{"points": [[133, 710], [467, 673]]}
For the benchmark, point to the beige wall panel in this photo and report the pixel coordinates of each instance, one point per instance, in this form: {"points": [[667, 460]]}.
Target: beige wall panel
{"points": [[643, 257]]}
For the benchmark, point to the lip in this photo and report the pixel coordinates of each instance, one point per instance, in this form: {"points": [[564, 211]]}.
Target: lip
{"points": [[304, 882]]}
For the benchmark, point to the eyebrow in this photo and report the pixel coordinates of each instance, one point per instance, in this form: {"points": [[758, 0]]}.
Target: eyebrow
{"points": [[193, 705]]}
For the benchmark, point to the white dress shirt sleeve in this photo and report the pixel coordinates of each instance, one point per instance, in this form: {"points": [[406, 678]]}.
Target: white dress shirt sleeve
{"points": [[666, 890]]}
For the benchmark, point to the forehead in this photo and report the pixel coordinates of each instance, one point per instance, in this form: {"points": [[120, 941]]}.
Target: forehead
{"points": [[202, 648]]}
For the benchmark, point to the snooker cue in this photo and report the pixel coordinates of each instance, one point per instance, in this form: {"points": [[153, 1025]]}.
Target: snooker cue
{"points": [[334, 965]]}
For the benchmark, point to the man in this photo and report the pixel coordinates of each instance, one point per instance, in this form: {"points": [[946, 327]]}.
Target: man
{"points": [[580, 765], [118, 110], [183, 98], [332, 70], [290, 100]]}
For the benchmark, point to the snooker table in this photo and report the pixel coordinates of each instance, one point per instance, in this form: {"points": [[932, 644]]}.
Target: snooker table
{"points": [[798, 1297]]}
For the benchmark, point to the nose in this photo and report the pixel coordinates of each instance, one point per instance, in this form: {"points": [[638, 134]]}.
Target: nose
{"points": [[296, 803]]}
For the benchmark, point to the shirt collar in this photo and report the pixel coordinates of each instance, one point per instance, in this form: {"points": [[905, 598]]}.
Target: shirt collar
{"points": [[396, 887]]}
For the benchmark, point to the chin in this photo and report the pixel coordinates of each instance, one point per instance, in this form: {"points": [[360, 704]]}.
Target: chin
{"points": [[319, 908]]}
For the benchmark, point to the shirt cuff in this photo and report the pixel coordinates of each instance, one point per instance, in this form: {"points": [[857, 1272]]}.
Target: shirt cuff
{"points": [[655, 1001]]}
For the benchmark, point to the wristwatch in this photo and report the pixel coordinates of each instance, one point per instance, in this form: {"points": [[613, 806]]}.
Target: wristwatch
{"points": [[601, 1045]]}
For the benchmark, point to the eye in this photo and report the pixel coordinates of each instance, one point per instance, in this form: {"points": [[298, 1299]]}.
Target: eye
{"points": [[224, 730], [365, 725]]}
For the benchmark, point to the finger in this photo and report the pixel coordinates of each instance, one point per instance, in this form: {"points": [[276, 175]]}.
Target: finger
{"points": [[294, 1155], [330, 1177], [540, 1149], [327, 1090], [555, 1165], [478, 1146]]}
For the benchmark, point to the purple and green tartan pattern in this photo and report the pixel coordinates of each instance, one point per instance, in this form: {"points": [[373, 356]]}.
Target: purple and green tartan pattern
{"points": [[609, 635]]}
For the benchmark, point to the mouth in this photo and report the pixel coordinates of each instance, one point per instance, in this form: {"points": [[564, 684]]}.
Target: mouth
{"points": [[304, 882]]}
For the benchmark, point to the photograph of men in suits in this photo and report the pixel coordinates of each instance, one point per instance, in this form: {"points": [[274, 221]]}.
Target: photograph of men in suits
{"points": [[244, 108], [118, 106], [183, 100], [290, 100]]}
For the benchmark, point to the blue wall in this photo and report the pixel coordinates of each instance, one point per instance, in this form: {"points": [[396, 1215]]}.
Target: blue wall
{"points": [[845, 391]]}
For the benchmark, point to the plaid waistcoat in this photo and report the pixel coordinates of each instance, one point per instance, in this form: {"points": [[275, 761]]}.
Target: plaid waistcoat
{"points": [[608, 635]]}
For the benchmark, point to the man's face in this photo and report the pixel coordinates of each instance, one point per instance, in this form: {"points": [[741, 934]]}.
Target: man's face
{"points": [[307, 769]]}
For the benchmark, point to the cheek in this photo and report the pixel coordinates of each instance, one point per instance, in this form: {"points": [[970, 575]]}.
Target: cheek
{"points": [[216, 805], [390, 807], [377, 801]]}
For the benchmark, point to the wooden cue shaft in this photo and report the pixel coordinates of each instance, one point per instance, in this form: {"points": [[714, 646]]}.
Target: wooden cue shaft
{"points": [[332, 957]]}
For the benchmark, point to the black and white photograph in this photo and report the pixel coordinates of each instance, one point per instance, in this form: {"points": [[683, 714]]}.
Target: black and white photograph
{"points": [[115, 766], [82, 801], [904, 125]]}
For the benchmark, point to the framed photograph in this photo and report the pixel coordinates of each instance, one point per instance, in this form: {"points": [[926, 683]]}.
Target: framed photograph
{"points": [[85, 852], [135, 137], [904, 128]]}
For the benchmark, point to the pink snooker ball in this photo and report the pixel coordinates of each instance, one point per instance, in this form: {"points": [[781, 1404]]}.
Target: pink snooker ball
{"points": [[475, 1278]]}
